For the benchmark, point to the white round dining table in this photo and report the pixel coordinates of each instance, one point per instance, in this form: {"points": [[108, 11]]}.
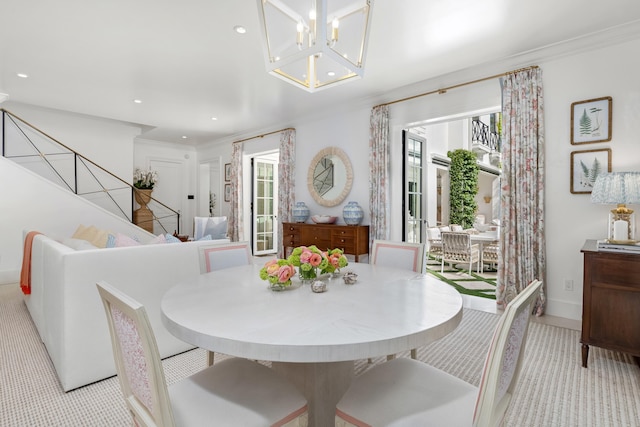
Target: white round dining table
{"points": [[312, 338]]}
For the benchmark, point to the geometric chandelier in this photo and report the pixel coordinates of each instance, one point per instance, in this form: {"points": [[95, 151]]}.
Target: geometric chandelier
{"points": [[315, 44]]}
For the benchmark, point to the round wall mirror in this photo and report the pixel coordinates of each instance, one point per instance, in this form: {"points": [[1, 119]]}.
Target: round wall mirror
{"points": [[330, 177]]}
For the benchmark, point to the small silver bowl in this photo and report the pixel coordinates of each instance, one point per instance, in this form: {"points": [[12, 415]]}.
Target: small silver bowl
{"points": [[318, 286], [349, 278]]}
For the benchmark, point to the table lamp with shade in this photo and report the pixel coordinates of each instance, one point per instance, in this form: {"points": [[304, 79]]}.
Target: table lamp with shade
{"points": [[618, 188]]}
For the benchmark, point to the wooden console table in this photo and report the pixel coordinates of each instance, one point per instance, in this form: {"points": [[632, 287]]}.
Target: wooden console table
{"points": [[352, 239], [611, 301]]}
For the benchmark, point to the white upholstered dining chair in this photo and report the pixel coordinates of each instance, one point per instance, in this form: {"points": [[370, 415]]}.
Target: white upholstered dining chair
{"points": [[404, 255], [409, 256], [406, 392], [457, 248], [217, 256], [234, 392]]}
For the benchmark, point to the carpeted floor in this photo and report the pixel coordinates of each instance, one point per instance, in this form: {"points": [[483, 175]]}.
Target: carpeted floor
{"points": [[554, 390], [482, 284]]}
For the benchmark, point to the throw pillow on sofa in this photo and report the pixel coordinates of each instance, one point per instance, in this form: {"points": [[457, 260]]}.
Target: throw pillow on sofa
{"points": [[93, 235], [217, 228], [123, 240], [79, 244]]}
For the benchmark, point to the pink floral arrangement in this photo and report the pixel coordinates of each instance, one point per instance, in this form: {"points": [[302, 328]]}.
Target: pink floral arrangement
{"points": [[278, 272], [311, 259]]}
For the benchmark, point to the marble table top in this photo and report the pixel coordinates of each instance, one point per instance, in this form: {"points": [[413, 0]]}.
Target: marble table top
{"points": [[386, 311]]}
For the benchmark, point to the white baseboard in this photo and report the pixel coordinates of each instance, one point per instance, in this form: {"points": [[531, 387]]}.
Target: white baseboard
{"points": [[9, 276], [568, 310]]}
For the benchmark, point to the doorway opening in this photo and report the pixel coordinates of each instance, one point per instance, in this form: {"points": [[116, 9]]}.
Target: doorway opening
{"points": [[264, 203]]}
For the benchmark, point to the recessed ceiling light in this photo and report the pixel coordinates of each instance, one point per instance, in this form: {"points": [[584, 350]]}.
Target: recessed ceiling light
{"points": [[214, 118], [239, 29], [22, 75], [137, 101], [184, 136], [331, 73]]}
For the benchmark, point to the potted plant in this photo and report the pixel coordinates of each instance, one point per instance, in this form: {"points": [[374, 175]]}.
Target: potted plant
{"points": [[143, 181]]}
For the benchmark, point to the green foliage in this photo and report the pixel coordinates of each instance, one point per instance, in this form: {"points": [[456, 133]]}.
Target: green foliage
{"points": [[585, 124], [590, 174], [463, 187]]}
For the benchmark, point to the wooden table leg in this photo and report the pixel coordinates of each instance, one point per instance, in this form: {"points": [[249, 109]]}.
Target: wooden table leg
{"points": [[322, 384]]}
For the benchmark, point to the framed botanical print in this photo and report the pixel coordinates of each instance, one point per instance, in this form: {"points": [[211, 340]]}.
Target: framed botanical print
{"points": [[227, 172], [585, 168], [591, 121], [227, 192]]}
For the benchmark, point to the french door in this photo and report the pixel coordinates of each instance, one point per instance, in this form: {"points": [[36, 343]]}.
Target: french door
{"points": [[265, 204], [413, 199]]}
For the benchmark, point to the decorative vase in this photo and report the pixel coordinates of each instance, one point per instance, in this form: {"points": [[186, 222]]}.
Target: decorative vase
{"points": [[277, 287], [300, 212], [143, 196], [307, 276], [352, 213], [143, 217]]}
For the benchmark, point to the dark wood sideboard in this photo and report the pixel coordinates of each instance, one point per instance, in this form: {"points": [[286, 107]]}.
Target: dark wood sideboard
{"points": [[353, 239], [611, 301]]}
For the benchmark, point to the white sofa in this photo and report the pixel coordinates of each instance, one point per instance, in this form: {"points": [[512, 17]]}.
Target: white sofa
{"points": [[66, 308]]}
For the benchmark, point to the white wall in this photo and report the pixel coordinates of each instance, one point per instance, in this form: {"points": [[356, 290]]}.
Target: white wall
{"points": [[571, 218], [109, 143]]}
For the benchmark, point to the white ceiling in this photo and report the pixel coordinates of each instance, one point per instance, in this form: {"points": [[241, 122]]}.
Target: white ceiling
{"points": [[187, 65]]}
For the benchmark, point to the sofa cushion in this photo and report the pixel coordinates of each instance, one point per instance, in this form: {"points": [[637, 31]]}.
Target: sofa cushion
{"points": [[157, 240], [172, 239], [123, 240], [79, 244], [93, 235]]}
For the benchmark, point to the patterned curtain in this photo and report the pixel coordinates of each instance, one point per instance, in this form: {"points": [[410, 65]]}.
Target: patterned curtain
{"points": [[379, 172], [522, 237], [286, 178], [235, 212]]}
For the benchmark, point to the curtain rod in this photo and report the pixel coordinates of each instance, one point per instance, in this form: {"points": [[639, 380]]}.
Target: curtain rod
{"points": [[445, 89], [262, 136]]}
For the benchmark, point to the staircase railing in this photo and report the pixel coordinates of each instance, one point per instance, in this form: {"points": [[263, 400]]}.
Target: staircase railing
{"points": [[39, 152]]}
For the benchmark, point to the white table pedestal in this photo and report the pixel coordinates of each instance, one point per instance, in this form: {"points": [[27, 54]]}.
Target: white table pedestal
{"points": [[322, 384]]}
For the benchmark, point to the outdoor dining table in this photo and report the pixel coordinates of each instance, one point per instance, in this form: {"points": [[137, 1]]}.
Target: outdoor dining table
{"points": [[483, 238], [313, 339]]}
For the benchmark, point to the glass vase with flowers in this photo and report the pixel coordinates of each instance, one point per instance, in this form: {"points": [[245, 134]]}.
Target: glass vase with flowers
{"points": [[278, 273]]}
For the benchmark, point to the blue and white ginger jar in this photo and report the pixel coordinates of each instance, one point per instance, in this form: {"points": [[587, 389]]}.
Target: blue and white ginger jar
{"points": [[300, 212], [352, 213]]}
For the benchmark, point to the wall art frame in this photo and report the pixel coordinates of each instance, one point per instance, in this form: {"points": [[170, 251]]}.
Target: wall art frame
{"points": [[586, 166], [227, 172], [227, 192], [591, 121]]}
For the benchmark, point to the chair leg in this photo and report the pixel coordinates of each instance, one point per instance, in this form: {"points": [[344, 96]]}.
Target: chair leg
{"points": [[210, 355], [414, 353], [391, 357]]}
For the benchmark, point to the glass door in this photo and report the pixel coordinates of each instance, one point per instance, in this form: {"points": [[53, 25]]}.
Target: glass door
{"points": [[414, 200], [265, 204]]}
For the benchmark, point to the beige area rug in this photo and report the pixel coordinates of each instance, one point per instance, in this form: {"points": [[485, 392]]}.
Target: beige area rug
{"points": [[554, 390]]}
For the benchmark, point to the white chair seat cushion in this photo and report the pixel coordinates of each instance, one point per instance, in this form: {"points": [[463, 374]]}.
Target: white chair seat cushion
{"points": [[406, 392], [239, 393]]}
